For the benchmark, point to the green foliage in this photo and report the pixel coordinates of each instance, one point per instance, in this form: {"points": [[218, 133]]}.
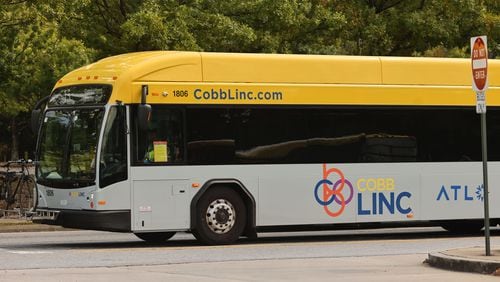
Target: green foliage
{"points": [[366, 31], [33, 58], [33, 55], [44, 39], [293, 26], [423, 27]]}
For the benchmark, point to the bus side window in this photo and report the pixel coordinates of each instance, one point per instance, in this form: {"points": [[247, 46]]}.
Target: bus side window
{"points": [[163, 142]]}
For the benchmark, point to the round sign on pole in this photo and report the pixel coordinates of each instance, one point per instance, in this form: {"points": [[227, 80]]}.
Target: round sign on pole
{"points": [[479, 56]]}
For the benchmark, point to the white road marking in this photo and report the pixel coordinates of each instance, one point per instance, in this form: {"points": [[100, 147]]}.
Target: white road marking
{"points": [[29, 252]]}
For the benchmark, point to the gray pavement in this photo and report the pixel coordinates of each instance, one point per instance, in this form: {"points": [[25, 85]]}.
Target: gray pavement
{"points": [[397, 268], [471, 259]]}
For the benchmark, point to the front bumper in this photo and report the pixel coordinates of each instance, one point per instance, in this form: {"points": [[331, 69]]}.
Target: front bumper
{"points": [[45, 216], [116, 220]]}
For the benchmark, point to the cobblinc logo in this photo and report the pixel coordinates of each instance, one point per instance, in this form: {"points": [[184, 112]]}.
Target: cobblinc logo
{"points": [[333, 199], [375, 196]]}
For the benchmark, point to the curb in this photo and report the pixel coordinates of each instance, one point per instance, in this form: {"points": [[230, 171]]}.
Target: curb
{"points": [[34, 228], [463, 264]]}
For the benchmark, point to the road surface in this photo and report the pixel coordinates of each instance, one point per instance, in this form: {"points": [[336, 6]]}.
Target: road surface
{"points": [[375, 255]]}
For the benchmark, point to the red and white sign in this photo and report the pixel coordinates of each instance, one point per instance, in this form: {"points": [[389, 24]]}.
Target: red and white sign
{"points": [[479, 60], [479, 56]]}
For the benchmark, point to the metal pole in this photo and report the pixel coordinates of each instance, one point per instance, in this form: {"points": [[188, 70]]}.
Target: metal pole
{"points": [[485, 183]]}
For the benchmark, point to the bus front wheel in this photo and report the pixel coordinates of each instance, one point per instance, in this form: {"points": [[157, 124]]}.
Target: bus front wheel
{"points": [[220, 216], [155, 237]]}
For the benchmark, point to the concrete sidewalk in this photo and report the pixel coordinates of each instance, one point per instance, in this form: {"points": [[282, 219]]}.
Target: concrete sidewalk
{"points": [[468, 260], [24, 225]]}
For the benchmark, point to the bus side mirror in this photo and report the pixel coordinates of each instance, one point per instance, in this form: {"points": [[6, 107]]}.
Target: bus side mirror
{"points": [[35, 120], [143, 116]]}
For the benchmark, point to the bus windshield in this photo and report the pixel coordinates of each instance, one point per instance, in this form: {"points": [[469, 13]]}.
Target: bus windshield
{"points": [[68, 147]]}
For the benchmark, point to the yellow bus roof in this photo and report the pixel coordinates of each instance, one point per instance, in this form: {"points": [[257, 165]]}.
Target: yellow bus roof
{"points": [[277, 68], [124, 71]]}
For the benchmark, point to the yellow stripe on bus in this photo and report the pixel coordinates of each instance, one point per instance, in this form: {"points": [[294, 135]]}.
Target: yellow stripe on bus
{"points": [[265, 94]]}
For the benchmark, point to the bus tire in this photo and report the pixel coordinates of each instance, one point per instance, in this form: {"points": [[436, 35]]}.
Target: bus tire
{"points": [[461, 227], [155, 237], [220, 216]]}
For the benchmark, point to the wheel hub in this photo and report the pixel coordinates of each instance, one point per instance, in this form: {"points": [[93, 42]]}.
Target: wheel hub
{"points": [[220, 216]]}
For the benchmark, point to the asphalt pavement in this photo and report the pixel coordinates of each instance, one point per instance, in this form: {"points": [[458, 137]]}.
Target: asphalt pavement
{"points": [[471, 259]]}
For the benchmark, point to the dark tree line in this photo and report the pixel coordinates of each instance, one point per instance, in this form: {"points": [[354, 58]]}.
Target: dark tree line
{"points": [[42, 40]]}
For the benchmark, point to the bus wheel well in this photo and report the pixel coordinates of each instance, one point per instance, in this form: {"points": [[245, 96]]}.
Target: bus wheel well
{"points": [[248, 200], [463, 226]]}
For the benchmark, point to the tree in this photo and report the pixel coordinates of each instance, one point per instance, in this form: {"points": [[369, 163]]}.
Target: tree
{"points": [[420, 26], [292, 26], [33, 56], [112, 27], [42, 40], [492, 27]]}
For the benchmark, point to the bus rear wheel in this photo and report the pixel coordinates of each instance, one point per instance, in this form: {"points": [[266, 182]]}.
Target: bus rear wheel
{"points": [[220, 216], [155, 237]]}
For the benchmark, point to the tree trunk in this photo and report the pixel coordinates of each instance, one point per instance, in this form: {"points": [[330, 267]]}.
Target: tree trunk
{"points": [[14, 153]]}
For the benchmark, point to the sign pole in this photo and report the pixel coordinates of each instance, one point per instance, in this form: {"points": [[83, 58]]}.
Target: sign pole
{"points": [[485, 181], [479, 60]]}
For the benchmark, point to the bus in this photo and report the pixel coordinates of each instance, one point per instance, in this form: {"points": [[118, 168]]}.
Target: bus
{"points": [[227, 145]]}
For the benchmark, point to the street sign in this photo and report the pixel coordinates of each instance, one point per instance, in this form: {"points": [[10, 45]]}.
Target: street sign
{"points": [[479, 56], [480, 102], [479, 62]]}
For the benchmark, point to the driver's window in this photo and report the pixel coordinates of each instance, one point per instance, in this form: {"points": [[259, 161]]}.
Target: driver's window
{"points": [[113, 161]]}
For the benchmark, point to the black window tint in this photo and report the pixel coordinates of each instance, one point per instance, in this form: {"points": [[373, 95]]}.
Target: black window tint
{"points": [[210, 138], [335, 135], [113, 161], [163, 141]]}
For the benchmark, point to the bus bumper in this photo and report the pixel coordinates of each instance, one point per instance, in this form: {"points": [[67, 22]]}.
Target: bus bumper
{"points": [[116, 220], [44, 216]]}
